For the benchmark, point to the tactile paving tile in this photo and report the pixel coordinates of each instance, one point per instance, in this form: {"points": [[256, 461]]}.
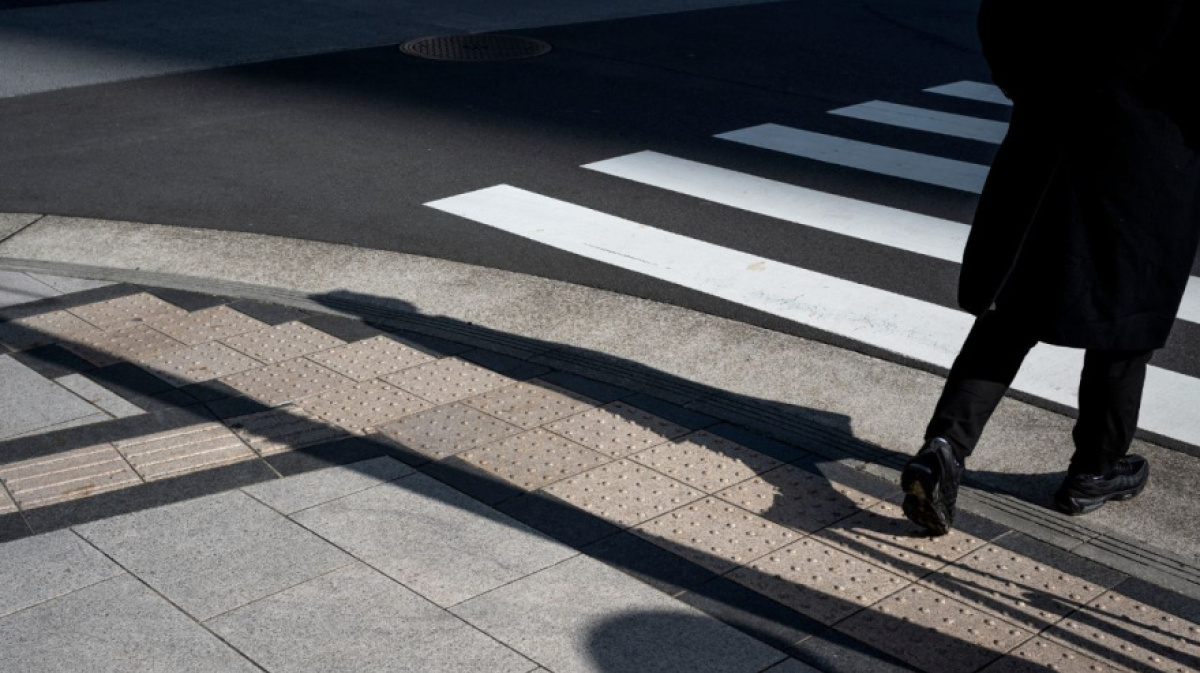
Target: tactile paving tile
{"points": [[283, 342], [1014, 586], [531, 404], [371, 358], [210, 324], [883, 536], [815, 579], [705, 461], [46, 328], [1131, 634], [133, 344], [796, 498], [533, 459], [184, 450], [67, 476], [715, 534], [281, 430], [286, 382], [933, 631], [198, 363], [617, 429], [445, 431], [1039, 655], [449, 380], [124, 311], [365, 406], [624, 493]]}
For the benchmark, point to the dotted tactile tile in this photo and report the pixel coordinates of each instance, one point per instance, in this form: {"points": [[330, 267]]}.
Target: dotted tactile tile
{"points": [[706, 461], [818, 580], [371, 358], [364, 406], [47, 328], [446, 431], [715, 534], [210, 324], [1014, 586], [282, 430], [1039, 655], [882, 535], [198, 363], [617, 429], [134, 344], [67, 476], [283, 342], [529, 405], [184, 450], [449, 380], [533, 459], [128, 310], [1131, 634], [933, 631], [286, 382], [624, 493], [796, 498]]}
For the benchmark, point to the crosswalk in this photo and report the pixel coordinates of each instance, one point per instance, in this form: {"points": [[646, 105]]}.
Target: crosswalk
{"points": [[887, 320]]}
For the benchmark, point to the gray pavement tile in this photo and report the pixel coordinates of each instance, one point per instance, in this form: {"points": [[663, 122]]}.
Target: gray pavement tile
{"points": [[214, 554], [355, 619], [11, 223], [347, 329], [37, 569], [96, 394], [648, 562], [832, 651], [67, 285], [582, 615], [791, 666], [52, 361], [433, 539], [19, 288], [68, 301], [13, 526], [186, 299], [97, 417], [118, 625], [320, 486], [129, 380], [751, 613], [558, 519], [30, 402], [343, 451]]}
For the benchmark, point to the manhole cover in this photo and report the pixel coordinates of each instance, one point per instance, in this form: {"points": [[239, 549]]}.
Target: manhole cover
{"points": [[475, 47]]}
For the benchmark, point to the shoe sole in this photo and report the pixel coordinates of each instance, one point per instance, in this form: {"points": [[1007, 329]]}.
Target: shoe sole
{"points": [[923, 502], [1081, 506]]}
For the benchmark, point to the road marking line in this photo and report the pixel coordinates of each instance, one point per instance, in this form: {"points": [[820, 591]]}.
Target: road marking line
{"points": [[926, 168], [986, 93], [893, 322], [921, 119]]}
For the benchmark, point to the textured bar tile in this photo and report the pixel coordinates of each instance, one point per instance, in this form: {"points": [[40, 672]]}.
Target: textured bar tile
{"points": [[306, 490], [796, 498], [531, 404], [934, 632], [533, 459], [283, 342], [371, 358], [281, 430], [817, 580], [624, 493], [1039, 654], [210, 324], [67, 476], [449, 380], [134, 343], [445, 431], [357, 619], [882, 535], [286, 382], [37, 569], [617, 429], [198, 364], [100, 396], [128, 310], [45, 328], [1132, 634], [364, 406], [716, 535], [706, 461], [190, 449]]}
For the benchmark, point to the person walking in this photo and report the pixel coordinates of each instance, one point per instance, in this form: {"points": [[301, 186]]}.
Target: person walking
{"points": [[1085, 234]]}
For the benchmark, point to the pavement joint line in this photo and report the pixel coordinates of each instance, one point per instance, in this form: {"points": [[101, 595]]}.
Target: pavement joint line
{"points": [[19, 230]]}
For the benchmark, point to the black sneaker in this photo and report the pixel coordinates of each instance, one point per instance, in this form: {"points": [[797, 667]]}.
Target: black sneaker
{"points": [[930, 481], [1083, 493]]}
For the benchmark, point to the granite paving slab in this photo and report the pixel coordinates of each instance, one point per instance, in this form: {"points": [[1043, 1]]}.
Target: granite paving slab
{"points": [[68, 285], [99, 396], [29, 401], [37, 569], [302, 491], [19, 288]]}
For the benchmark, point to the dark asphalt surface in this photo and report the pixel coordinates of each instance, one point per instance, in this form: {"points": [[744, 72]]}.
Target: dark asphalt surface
{"points": [[347, 147]]}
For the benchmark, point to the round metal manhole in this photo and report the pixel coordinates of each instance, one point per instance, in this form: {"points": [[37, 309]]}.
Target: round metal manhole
{"points": [[475, 47]]}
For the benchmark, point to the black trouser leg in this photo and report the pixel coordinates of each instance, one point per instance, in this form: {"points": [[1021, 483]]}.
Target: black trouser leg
{"points": [[1110, 396], [982, 372]]}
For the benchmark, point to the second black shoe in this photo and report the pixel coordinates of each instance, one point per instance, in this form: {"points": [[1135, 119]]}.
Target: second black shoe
{"points": [[930, 482], [1083, 493]]}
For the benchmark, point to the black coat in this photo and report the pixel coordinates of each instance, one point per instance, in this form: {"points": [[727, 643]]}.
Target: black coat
{"points": [[1088, 224]]}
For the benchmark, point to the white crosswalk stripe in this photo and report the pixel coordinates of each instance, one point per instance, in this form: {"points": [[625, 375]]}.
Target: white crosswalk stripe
{"points": [[986, 93], [921, 119]]}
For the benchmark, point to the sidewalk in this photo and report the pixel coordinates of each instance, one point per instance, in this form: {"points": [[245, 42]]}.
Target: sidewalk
{"points": [[190, 482]]}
